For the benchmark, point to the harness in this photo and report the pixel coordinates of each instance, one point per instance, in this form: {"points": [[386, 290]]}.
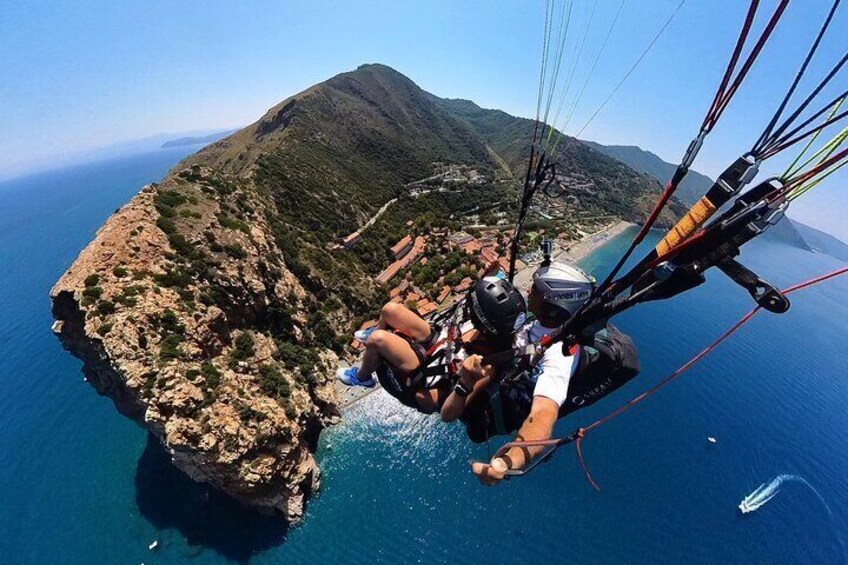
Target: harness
{"points": [[604, 364]]}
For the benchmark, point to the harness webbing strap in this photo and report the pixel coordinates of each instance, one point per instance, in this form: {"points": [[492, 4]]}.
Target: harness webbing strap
{"points": [[435, 347]]}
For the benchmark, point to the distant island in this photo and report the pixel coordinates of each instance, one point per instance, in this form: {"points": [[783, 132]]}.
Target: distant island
{"points": [[214, 307], [204, 140]]}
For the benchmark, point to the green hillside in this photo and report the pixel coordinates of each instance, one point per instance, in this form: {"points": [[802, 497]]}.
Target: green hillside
{"points": [[618, 189], [322, 162]]}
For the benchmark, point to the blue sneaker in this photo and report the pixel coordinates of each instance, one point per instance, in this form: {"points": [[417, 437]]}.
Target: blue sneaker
{"points": [[362, 335], [350, 377]]}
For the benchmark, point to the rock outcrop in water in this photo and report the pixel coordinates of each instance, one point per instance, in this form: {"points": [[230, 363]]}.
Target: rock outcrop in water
{"points": [[181, 361], [213, 306]]}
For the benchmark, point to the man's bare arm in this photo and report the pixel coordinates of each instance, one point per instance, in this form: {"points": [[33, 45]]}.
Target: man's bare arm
{"points": [[538, 425]]}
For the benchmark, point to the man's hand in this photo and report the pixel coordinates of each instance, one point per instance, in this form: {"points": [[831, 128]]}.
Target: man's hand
{"points": [[471, 372], [491, 473], [538, 425], [473, 369]]}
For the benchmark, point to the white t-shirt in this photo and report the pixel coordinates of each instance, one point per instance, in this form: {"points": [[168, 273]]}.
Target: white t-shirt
{"points": [[554, 370]]}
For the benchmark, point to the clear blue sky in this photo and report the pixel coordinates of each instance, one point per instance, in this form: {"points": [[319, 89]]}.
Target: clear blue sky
{"points": [[80, 75]]}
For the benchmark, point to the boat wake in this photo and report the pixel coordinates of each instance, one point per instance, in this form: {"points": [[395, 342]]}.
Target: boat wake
{"points": [[766, 491]]}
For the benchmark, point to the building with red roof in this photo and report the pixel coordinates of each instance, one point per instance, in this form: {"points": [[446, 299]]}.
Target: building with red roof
{"points": [[489, 255], [408, 259], [352, 239], [472, 247], [443, 294], [402, 247], [464, 285], [426, 307]]}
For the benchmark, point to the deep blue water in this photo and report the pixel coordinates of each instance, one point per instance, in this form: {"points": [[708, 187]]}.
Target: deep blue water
{"points": [[81, 484]]}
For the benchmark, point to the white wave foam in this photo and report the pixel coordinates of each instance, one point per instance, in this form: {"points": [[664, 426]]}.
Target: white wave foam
{"points": [[766, 491]]}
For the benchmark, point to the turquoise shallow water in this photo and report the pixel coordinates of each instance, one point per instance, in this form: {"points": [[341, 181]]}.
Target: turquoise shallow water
{"points": [[81, 484]]}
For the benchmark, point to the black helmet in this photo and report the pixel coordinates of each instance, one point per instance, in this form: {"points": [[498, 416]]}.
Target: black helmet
{"points": [[496, 308]]}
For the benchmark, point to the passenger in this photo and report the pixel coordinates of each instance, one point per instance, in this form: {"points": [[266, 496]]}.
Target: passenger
{"points": [[396, 347], [399, 341]]}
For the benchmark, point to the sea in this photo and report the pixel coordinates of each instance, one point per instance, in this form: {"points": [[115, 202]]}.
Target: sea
{"points": [[81, 484]]}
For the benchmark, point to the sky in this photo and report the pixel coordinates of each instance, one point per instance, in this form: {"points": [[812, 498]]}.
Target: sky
{"points": [[77, 76]]}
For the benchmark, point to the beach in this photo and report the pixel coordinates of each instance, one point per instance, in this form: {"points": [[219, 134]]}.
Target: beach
{"points": [[579, 249]]}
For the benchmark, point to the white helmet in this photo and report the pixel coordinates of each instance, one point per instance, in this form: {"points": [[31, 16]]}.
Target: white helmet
{"points": [[563, 288]]}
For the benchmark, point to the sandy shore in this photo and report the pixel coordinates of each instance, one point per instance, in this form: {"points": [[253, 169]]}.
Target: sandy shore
{"points": [[579, 249], [572, 253]]}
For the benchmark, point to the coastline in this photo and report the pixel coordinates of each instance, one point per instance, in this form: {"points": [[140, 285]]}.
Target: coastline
{"points": [[590, 243], [575, 251]]}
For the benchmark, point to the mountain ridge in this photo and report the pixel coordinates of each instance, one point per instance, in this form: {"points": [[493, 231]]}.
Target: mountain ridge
{"points": [[511, 137], [823, 242], [197, 140], [691, 188]]}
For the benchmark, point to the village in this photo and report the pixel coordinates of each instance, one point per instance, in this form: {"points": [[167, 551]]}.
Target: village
{"points": [[431, 266], [431, 269], [434, 268]]}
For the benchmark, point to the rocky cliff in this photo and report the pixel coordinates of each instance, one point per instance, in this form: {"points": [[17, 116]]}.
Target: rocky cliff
{"points": [[161, 317]]}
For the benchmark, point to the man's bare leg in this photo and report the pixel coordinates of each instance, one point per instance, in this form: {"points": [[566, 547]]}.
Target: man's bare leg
{"points": [[401, 318], [392, 349]]}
